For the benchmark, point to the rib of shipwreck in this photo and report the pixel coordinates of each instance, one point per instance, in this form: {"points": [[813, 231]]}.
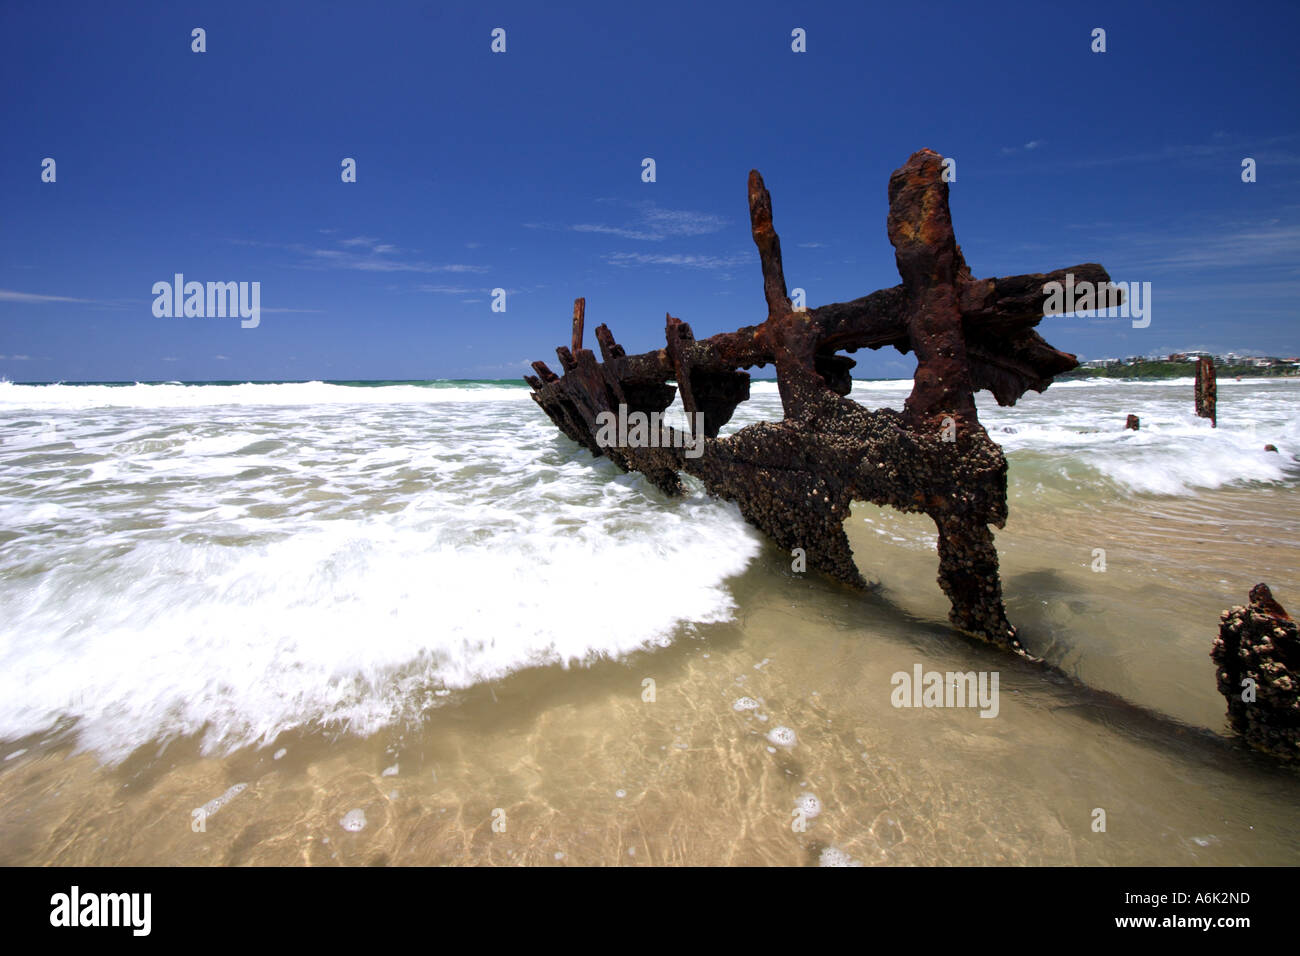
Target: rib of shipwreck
{"points": [[795, 479]]}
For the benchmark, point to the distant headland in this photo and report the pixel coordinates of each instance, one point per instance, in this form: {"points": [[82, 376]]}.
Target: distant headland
{"points": [[1183, 365]]}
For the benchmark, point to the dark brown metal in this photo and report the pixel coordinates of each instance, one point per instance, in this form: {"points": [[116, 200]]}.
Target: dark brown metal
{"points": [[1257, 667], [795, 479], [579, 314], [1207, 391]]}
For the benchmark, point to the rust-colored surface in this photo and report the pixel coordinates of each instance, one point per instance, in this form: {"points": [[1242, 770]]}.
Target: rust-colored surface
{"points": [[1257, 656], [795, 479], [1207, 390]]}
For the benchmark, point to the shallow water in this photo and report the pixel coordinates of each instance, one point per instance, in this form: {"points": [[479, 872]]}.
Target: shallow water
{"points": [[444, 615]]}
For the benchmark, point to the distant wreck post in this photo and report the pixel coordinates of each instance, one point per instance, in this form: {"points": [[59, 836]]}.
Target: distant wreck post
{"points": [[1207, 390], [1257, 656], [795, 479]]}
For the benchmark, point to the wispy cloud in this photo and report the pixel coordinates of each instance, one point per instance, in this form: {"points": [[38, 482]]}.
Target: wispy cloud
{"points": [[373, 260], [622, 233], [1233, 245], [1225, 146], [678, 259], [466, 290], [447, 289], [1031, 145], [680, 222], [9, 295], [649, 222], [363, 254]]}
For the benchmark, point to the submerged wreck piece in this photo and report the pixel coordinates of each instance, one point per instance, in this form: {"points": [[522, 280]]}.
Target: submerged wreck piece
{"points": [[1257, 656], [795, 479], [1207, 390]]}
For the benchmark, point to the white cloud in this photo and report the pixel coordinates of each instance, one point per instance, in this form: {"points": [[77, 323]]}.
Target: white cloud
{"points": [[678, 259], [616, 231], [654, 223], [362, 253], [446, 289], [1031, 145], [9, 295], [1266, 244]]}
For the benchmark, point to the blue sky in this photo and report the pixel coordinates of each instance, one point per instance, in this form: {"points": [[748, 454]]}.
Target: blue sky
{"points": [[522, 171]]}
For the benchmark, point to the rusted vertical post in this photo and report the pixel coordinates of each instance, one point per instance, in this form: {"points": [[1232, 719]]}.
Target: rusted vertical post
{"points": [[1207, 390], [579, 313]]}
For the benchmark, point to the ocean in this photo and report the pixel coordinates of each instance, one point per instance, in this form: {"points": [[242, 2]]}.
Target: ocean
{"points": [[413, 623]]}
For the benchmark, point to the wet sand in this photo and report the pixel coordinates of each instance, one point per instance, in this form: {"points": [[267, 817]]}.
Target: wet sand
{"points": [[574, 767]]}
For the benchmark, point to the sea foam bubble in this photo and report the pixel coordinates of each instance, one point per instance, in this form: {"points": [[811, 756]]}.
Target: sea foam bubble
{"points": [[782, 736]]}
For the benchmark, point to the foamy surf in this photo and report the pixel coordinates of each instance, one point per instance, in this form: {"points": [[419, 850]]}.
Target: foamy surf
{"points": [[236, 561], [204, 571], [1072, 437], [177, 395]]}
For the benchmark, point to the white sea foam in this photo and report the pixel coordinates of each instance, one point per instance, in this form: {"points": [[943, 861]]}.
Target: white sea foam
{"points": [[782, 737], [354, 821], [216, 803], [175, 395], [1073, 436], [236, 561], [834, 856], [809, 805], [235, 572]]}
